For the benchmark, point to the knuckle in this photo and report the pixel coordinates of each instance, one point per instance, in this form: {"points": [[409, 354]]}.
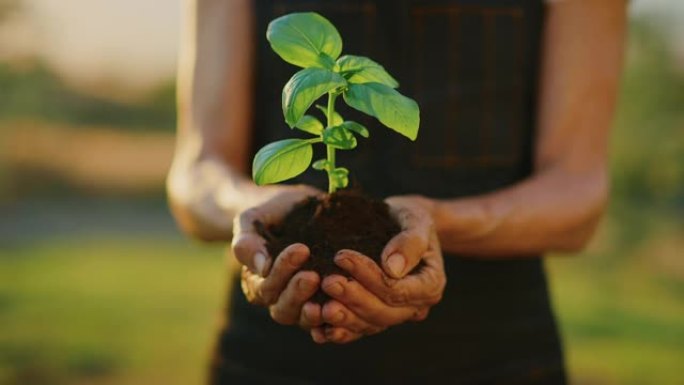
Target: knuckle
{"points": [[421, 314], [279, 316], [436, 296], [388, 282], [368, 264], [267, 294], [398, 297], [250, 214]]}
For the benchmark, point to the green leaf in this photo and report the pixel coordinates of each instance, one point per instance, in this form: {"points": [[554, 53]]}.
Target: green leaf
{"points": [[340, 176], [305, 40], [391, 108], [304, 88], [339, 137], [359, 70], [337, 118], [320, 164], [282, 160], [310, 124], [356, 127]]}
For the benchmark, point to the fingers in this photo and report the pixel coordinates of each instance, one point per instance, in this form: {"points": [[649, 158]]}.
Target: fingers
{"points": [[250, 283], [337, 315], [310, 316], [318, 335], [321, 335], [288, 262], [403, 252], [266, 291], [423, 288], [341, 335], [363, 303], [288, 308], [369, 274], [248, 246]]}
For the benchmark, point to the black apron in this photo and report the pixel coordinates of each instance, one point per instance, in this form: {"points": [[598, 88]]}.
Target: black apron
{"points": [[472, 67]]}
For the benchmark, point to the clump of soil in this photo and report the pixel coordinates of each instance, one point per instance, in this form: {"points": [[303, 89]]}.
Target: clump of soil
{"points": [[345, 219]]}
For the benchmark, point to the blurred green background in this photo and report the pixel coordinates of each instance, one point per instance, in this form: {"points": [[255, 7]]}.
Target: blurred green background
{"points": [[98, 287]]}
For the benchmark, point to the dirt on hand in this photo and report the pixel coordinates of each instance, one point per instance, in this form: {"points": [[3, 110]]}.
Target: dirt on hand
{"points": [[345, 219]]}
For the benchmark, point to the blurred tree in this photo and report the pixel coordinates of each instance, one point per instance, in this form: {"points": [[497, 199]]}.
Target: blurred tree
{"points": [[34, 91], [648, 143], [647, 149]]}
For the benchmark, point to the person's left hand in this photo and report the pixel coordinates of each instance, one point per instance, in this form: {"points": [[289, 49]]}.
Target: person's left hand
{"points": [[378, 298]]}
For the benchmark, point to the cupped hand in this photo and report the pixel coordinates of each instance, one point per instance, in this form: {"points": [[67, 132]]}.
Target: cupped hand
{"points": [[276, 283], [399, 291]]}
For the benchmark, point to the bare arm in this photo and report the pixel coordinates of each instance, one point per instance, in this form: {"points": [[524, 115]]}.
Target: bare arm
{"points": [[207, 184], [558, 207], [209, 193]]}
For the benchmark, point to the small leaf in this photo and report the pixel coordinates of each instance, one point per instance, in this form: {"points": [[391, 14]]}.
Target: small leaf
{"points": [[320, 164], [282, 160], [339, 137], [359, 69], [310, 124], [356, 127], [304, 88], [391, 108], [305, 40], [337, 118], [340, 177]]}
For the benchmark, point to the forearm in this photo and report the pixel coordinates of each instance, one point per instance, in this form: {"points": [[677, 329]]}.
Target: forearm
{"points": [[206, 194], [557, 208], [207, 183], [551, 211]]}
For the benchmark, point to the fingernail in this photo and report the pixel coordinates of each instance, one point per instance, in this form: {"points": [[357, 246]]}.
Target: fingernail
{"points": [[345, 263], [339, 317], [396, 264], [335, 289], [306, 285], [260, 263]]}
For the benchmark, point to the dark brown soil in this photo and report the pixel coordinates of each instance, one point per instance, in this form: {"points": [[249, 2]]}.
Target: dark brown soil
{"points": [[346, 219]]}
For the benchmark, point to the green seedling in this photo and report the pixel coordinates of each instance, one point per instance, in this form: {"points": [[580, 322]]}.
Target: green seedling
{"points": [[310, 41]]}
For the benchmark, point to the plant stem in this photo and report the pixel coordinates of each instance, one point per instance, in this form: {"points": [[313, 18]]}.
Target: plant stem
{"points": [[331, 150]]}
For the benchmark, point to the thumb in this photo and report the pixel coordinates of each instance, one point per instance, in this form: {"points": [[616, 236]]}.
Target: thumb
{"points": [[403, 253], [248, 247]]}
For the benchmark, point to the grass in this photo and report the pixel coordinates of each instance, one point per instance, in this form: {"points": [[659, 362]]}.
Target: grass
{"points": [[108, 311], [622, 311], [130, 311], [619, 327], [127, 311]]}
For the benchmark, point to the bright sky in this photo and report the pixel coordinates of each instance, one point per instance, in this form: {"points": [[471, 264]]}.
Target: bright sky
{"points": [[135, 41]]}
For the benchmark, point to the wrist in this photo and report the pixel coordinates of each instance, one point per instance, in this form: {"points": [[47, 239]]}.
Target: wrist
{"points": [[429, 205]]}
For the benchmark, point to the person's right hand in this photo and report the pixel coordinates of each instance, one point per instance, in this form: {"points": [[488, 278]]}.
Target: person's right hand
{"points": [[276, 283]]}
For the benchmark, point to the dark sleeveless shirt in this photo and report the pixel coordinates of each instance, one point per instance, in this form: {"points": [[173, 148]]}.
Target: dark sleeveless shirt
{"points": [[472, 67]]}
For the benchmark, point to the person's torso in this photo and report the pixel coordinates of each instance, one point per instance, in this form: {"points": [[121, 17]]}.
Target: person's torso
{"points": [[471, 65]]}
